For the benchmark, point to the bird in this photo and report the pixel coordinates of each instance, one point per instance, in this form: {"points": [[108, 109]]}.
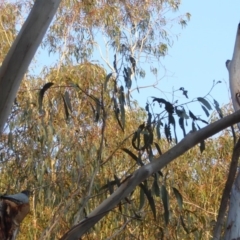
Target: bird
{"points": [[19, 198], [233, 67], [16, 206]]}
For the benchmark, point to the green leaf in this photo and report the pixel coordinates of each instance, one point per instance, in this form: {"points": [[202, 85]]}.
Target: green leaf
{"points": [[216, 105], [168, 133], [110, 187], [41, 94], [133, 156], [172, 121], [150, 199], [65, 108], [184, 225], [181, 124], [98, 110], [194, 118], [155, 186], [117, 180], [205, 110], [178, 197], [10, 140], [205, 103], [194, 129], [133, 62], [106, 81], [158, 129], [202, 146], [141, 199], [67, 100], [122, 104], [117, 111], [158, 148], [165, 200]]}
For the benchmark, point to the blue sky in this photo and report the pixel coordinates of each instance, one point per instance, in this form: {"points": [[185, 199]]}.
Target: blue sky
{"points": [[198, 56]]}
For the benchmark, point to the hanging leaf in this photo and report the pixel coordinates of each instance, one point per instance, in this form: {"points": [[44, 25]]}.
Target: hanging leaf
{"points": [[41, 94], [150, 153], [115, 63], [192, 116], [93, 109], [155, 186], [165, 200], [98, 110], [106, 81], [168, 106], [127, 73], [133, 156], [178, 197], [159, 124], [133, 62], [205, 103], [110, 187], [107, 186], [128, 99], [216, 104], [122, 104], [184, 92], [202, 146], [120, 207], [205, 110], [65, 108], [117, 111], [184, 225], [181, 124], [142, 199], [150, 199], [181, 112], [117, 180], [137, 216], [194, 129], [67, 100], [136, 137], [199, 119], [158, 148], [172, 121], [168, 133], [10, 140]]}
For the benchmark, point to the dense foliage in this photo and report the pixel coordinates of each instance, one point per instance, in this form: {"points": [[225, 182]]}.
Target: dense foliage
{"points": [[75, 132]]}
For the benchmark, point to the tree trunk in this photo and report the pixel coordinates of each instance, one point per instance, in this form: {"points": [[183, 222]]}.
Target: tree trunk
{"points": [[233, 220], [21, 53]]}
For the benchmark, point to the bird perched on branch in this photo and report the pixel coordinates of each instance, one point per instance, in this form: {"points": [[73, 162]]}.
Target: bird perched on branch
{"points": [[14, 208], [19, 198]]}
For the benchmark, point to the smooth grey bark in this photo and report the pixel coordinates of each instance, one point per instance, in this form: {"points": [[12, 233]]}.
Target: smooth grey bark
{"points": [[226, 192], [21, 53], [144, 172], [233, 220], [233, 67]]}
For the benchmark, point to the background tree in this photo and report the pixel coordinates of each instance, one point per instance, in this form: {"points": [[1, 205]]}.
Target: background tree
{"points": [[61, 134]]}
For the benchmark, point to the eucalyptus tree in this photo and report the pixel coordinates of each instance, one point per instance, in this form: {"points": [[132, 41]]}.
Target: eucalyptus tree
{"points": [[75, 138]]}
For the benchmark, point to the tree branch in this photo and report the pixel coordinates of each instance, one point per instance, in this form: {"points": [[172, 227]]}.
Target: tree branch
{"points": [[144, 172], [22, 51]]}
